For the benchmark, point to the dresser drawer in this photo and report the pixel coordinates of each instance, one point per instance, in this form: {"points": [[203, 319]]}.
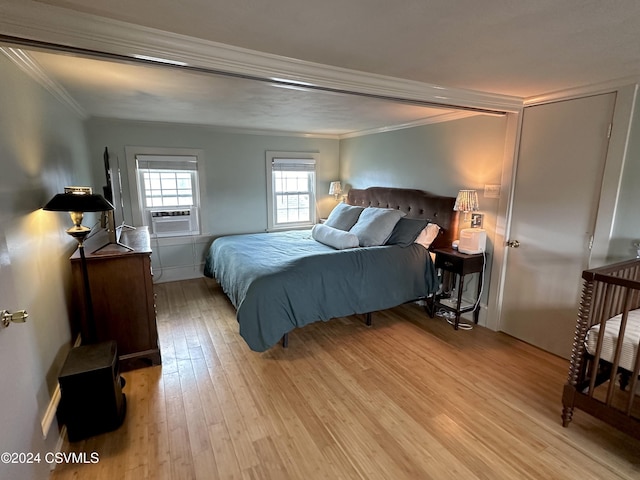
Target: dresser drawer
{"points": [[448, 262], [456, 262]]}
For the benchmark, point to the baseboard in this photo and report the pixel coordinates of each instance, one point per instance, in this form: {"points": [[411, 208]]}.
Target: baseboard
{"points": [[174, 274], [58, 447], [52, 408], [50, 413]]}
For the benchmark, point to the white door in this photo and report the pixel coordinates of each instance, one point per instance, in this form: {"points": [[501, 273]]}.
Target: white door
{"points": [[19, 433], [563, 148]]}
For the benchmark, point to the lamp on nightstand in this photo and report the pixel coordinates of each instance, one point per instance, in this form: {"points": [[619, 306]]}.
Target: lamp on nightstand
{"points": [[335, 189], [467, 201], [76, 201], [471, 240]]}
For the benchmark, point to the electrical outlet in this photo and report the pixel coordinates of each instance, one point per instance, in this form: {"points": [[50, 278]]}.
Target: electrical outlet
{"points": [[492, 191]]}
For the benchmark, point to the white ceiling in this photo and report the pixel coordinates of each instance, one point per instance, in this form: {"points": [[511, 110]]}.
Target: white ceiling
{"points": [[152, 93], [521, 49]]}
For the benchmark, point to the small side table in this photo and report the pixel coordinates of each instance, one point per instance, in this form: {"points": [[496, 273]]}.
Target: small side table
{"points": [[460, 265], [91, 386]]}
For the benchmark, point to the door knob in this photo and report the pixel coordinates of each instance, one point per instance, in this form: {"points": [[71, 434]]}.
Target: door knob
{"points": [[513, 243], [7, 317]]}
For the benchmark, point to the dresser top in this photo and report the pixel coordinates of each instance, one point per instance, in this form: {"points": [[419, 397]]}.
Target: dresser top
{"points": [[98, 245]]}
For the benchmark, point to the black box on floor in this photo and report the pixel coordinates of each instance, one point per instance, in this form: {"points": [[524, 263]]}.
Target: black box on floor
{"points": [[92, 400]]}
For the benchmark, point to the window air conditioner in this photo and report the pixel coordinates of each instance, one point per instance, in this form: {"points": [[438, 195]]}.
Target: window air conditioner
{"points": [[174, 223]]}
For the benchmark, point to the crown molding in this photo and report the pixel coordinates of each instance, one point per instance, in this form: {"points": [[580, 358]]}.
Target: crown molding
{"points": [[28, 65], [55, 26], [223, 129], [583, 91], [445, 117]]}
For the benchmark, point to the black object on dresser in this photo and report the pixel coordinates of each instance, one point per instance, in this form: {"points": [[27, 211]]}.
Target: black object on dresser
{"points": [[92, 400]]}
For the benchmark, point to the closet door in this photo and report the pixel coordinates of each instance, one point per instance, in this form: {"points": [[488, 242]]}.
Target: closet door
{"points": [[563, 149]]}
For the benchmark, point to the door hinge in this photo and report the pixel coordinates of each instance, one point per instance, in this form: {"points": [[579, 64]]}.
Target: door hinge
{"points": [[590, 242], [609, 130]]}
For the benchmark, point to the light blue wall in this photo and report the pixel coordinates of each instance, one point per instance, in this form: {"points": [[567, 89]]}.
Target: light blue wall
{"points": [[42, 149], [235, 183], [234, 163], [440, 158]]}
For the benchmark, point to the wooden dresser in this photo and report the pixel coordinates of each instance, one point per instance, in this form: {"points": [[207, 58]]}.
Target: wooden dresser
{"points": [[122, 295]]}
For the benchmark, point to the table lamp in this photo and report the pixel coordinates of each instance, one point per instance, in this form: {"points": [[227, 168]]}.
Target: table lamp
{"points": [[76, 201]]}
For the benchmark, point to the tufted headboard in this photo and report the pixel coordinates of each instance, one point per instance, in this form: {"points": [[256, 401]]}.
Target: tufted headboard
{"points": [[416, 204]]}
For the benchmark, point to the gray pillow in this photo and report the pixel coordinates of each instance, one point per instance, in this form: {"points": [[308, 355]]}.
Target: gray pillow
{"points": [[333, 237], [406, 231], [344, 216], [374, 226]]}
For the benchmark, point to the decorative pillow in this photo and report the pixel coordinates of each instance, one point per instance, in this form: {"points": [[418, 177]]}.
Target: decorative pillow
{"points": [[333, 237], [344, 216], [406, 231], [374, 226], [428, 235]]}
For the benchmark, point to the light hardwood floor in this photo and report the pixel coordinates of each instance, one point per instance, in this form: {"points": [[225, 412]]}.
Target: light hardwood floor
{"points": [[408, 398]]}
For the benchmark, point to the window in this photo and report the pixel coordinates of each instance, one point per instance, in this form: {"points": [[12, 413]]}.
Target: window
{"points": [[291, 189], [168, 193], [168, 188]]}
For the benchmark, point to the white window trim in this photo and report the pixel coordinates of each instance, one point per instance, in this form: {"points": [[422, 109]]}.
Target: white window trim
{"points": [[270, 155], [132, 175]]}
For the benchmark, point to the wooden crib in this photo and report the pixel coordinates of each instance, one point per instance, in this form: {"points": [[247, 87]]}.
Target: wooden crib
{"points": [[603, 375]]}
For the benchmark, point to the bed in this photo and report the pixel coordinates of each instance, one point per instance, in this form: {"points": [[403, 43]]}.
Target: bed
{"points": [[604, 368], [284, 280]]}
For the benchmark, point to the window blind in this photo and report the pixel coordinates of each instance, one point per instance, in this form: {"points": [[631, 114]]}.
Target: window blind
{"points": [[167, 162], [293, 165]]}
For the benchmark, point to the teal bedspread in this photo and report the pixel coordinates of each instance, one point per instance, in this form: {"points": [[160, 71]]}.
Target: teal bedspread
{"points": [[280, 281]]}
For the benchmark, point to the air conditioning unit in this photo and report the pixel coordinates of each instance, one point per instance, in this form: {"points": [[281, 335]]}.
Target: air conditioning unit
{"points": [[174, 222]]}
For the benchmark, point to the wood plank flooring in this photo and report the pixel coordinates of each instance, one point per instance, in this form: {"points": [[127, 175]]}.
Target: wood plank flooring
{"points": [[408, 398]]}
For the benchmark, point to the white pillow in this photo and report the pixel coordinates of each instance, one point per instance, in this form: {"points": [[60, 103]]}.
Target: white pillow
{"points": [[374, 226], [338, 239], [428, 235]]}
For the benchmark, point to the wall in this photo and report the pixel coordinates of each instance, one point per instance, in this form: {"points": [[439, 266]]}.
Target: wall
{"points": [[626, 227], [42, 149], [235, 183], [440, 158]]}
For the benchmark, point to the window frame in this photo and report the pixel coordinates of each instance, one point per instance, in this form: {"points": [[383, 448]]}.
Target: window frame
{"points": [[272, 156], [139, 212]]}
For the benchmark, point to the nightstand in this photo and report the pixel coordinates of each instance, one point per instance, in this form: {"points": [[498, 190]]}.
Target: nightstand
{"points": [[459, 265]]}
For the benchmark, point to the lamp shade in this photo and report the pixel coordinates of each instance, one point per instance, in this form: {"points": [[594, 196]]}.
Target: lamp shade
{"points": [[78, 202], [335, 188], [466, 201]]}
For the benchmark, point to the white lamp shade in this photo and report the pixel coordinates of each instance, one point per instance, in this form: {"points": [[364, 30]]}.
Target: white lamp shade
{"points": [[467, 201], [335, 188]]}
